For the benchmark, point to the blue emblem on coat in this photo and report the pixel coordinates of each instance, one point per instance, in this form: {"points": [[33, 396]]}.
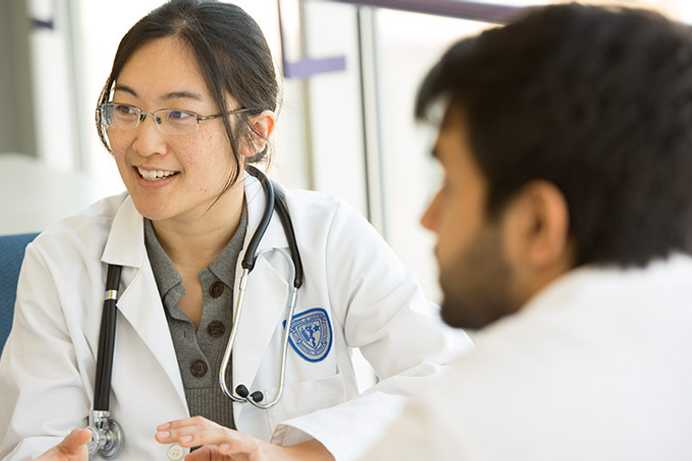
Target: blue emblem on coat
{"points": [[311, 334]]}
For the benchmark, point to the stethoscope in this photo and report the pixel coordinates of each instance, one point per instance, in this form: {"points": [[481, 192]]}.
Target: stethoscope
{"points": [[107, 434]]}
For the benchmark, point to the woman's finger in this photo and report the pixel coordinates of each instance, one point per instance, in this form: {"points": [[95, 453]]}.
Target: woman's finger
{"points": [[74, 442], [72, 447], [175, 434], [215, 436], [180, 423], [175, 430], [227, 441]]}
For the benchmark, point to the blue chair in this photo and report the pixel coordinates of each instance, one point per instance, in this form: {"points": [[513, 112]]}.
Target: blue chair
{"points": [[11, 256]]}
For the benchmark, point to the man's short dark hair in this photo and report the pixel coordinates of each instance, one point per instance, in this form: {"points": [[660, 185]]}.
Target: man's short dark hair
{"points": [[596, 101]]}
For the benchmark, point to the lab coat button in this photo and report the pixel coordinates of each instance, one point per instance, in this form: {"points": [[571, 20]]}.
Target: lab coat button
{"points": [[176, 453], [198, 368], [216, 289], [216, 328]]}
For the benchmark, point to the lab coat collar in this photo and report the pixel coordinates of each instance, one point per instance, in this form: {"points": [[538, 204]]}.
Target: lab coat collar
{"points": [[256, 201], [125, 244], [588, 286]]}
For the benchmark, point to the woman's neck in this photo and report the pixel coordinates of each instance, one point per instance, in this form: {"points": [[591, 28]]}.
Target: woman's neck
{"points": [[195, 239]]}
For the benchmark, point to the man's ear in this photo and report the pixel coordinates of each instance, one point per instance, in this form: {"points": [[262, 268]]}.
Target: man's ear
{"points": [[260, 128], [536, 228]]}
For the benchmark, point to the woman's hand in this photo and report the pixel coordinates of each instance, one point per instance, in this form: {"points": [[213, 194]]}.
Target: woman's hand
{"points": [[219, 443], [72, 448]]}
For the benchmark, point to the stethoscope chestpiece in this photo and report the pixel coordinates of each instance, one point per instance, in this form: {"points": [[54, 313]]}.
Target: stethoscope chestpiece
{"points": [[106, 435]]}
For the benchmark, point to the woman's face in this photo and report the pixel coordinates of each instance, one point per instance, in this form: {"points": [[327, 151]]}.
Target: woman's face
{"points": [[164, 74]]}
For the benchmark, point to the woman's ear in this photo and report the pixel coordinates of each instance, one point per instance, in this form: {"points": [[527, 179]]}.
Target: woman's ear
{"points": [[260, 129]]}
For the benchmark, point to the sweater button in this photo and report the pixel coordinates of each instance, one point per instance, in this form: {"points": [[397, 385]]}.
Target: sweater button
{"points": [[216, 289], [216, 328], [198, 368]]}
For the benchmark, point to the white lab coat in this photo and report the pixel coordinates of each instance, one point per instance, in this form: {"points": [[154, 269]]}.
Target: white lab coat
{"points": [[597, 367], [48, 365]]}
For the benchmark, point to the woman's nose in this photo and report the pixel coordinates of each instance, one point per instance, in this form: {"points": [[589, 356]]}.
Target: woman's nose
{"points": [[148, 139]]}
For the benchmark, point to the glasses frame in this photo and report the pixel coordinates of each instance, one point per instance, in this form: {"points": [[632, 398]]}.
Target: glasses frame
{"points": [[158, 121]]}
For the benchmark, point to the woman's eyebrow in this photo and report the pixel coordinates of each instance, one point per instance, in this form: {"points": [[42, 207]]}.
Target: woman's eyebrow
{"points": [[126, 89], [181, 95], [166, 97]]}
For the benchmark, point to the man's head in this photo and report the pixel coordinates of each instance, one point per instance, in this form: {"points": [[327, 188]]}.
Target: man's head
{"points": [[567, 141]]}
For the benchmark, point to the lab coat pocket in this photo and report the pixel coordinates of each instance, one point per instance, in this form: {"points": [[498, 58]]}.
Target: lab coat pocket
{"points": [[304, 397]]}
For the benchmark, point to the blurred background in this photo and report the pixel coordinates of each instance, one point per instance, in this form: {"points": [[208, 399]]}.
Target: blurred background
{"points": [[350, 72]]}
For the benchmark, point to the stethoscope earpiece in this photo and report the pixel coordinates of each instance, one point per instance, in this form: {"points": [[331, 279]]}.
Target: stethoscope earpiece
{"points": [[242, 391]]}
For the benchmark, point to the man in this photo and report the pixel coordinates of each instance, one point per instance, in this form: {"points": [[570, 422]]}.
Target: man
{"points": [[564, 232]]}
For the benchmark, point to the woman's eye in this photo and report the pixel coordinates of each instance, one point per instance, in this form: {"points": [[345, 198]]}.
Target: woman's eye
{"points": [[124, 109], [179, 115]]}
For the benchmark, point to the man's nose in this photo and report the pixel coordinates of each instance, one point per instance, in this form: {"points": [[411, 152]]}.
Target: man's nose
{"points": [[429, 219]]}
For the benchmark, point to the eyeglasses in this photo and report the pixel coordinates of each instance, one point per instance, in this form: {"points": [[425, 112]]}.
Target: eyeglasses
{"points": [[168, 121]]}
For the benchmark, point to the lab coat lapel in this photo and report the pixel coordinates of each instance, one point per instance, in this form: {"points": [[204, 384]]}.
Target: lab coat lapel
{"points": [[265, 293], [140, 303], [265, 308]]}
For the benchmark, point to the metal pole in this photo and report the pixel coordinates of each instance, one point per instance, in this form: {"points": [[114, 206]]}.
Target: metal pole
{"points": [[372, 147]]}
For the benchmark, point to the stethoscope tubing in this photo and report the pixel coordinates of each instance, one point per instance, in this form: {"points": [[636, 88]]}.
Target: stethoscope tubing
{"points": [[104, 369], [241, 394]]}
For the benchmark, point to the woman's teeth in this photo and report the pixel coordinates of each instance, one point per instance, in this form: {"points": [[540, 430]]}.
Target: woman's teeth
{"points": [[155, 175]]}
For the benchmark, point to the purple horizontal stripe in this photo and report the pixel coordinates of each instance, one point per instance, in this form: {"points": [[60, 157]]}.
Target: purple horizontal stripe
{"points": [[306, 68], [42, 24], [475, 11]]}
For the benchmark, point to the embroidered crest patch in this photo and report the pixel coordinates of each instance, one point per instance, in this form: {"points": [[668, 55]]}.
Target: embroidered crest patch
{"points": [[311, 334]]}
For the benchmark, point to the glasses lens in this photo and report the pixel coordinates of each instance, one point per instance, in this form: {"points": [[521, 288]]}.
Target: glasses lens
{"points": [[120, 115], [106, 112], [175, 122]]}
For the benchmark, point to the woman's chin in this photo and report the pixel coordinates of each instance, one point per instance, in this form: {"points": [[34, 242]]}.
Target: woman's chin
{"points": [[153, 210]]}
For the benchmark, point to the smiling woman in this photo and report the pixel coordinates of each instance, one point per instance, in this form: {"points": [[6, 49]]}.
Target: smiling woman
{"points": [[190, 102], [172, 64], [200, 149]]}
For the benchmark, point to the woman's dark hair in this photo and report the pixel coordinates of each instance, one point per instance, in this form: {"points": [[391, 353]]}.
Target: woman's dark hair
{"points": [[230, 50], [596, 101]]}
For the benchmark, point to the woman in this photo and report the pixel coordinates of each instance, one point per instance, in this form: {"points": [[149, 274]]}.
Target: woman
{"points": [[188, 105]]}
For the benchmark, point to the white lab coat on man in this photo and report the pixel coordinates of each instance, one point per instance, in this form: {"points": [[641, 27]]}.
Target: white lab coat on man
{"points": [[49, 362], [596, 367]]}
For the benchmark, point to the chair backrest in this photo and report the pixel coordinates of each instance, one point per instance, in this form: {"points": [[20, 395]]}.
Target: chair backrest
{"points": [[11, 256]]}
